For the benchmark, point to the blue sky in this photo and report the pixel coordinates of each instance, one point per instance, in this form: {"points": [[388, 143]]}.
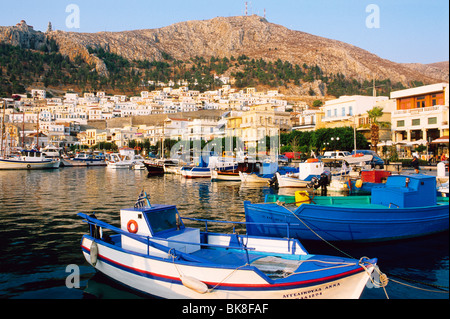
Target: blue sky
{"points": [[408, 30]]}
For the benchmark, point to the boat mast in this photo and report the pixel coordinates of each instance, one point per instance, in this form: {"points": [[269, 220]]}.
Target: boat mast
{"points": [[3, 127], [37, 135]]}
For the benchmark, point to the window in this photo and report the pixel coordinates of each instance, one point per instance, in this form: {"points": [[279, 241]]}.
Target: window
{"points": [[432, 120], [401, 123], [416, 122], [329, 113], [420, 101], [343, 111], [335, 113], [350, 110]]}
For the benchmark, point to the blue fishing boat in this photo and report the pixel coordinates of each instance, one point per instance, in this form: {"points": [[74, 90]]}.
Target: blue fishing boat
{"points": [[406, 207], [154, 252]]}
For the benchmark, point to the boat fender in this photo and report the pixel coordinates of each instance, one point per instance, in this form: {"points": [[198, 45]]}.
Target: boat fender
{"points": [[94, 253], [28, 166], [358, 183], [194, 284], [132, 226]]}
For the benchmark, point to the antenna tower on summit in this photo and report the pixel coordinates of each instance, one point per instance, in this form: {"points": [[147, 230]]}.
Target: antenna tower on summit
{"points": [[246, 7]]}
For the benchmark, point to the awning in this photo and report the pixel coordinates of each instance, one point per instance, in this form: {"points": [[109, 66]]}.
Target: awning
{"points": [[442, 139], [385, 143], [404, 142], [419, 142]]}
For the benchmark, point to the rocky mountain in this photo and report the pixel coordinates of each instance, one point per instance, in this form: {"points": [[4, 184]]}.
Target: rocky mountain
{"points": [[220, 37], [439, 70]]}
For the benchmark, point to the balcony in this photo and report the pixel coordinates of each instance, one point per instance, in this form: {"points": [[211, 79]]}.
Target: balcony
{"points": [[429, 109]]}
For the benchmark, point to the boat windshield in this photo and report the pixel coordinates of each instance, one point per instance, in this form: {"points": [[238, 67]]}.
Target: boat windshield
{"points": [[162, 220]]}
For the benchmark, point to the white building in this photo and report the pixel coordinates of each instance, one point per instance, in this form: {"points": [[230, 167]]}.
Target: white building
{"points": [[421, 114], [40, 94], [345, 107]]}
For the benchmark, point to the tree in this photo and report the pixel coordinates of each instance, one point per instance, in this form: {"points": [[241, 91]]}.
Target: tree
{"points": [[317, 103], [375, 113]]}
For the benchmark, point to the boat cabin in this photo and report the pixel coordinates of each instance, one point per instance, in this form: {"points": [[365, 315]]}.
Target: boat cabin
{"points": [[158, 221], [406, 191], [312, 167]]}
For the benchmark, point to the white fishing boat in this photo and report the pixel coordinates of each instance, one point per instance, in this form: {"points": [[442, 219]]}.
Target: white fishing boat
{"points": [[228, 175], [195, 172], [51, 151], [308, 170], [232, 174], [118, 161], [254, 178], [28, 159], [172, 166], [154, 252], [138, 162]]}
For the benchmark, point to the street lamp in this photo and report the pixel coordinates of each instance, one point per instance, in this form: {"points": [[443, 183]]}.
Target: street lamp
{"points": [[332, 141]]}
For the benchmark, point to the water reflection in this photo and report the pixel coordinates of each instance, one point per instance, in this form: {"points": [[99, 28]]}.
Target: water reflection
{"points": [[40, 233]]}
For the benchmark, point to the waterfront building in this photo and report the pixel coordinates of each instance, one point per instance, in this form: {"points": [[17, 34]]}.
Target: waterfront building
{"points": [[421, 113], [261, 121], [304, 119], [233, 125], [345, 110]]}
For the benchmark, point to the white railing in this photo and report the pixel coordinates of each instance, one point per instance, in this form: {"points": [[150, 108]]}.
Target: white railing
{"points": [[421, 110]]}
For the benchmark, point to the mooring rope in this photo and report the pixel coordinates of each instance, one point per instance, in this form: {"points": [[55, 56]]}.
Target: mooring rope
{"points": [[382, 275]]}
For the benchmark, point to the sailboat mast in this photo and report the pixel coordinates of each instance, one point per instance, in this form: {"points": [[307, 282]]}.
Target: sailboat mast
{"points": [[3, 127]]}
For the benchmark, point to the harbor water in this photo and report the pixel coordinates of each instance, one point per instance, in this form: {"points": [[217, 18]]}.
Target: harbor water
{"points": [[41, 232]]}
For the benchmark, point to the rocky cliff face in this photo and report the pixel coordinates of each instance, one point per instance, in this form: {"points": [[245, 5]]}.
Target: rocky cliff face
{"points": [[230, 36]]}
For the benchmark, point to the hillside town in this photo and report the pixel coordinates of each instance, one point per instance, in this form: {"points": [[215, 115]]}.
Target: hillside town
{"points": [[412, 117]]}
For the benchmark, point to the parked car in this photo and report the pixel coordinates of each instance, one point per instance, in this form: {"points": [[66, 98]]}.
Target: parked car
{"points": [[283, 159], [335, 154], [293, 155], [376, 162]]}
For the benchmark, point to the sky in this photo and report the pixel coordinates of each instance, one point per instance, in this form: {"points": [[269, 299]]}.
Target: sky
{"points": [[403, 31]]}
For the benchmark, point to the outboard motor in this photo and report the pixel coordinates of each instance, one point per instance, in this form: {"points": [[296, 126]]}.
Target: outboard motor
{"points": [[273, 182], [323, 182]]}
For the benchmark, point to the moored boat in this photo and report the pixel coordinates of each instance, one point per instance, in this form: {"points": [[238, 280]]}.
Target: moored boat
{"points": [[118, 161], [28, 159], [84, 159], [311, 168], [154, 168], [233, 173], [154, 252], [406, 207]]}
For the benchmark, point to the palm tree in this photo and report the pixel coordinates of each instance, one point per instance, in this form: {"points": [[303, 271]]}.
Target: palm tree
{"points": [[375, 113]]}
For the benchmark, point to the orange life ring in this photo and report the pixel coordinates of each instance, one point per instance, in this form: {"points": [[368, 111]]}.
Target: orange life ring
{"points": [[132, 227], [312, 160], [358, 155]]}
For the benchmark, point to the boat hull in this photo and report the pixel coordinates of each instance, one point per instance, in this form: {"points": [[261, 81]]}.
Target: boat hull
{"points": [[352, 224], [154, 169], [294, 182], [79, 162], [6, 164], [196, 172], [225, 176], [161, 277], [253, 178]]}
